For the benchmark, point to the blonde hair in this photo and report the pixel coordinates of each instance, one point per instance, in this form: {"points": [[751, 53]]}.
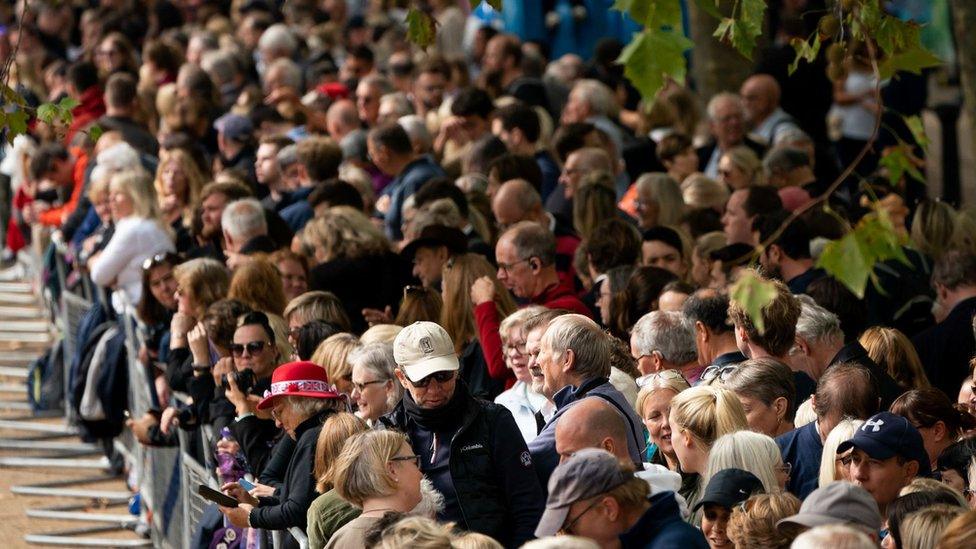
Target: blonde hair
{"points": [[844, 430], [280, 330], [360, 471], [335, 432], [923, 528], [138, 186], [595, 200], [707, 413], [804, 414], [893, 351], [333, 355], [677, 384], [380, 333], [203, 281], [100, 183], [708, 243], [195, 180], [474, 540], [959, 533], [457, 313], [317, 305], [417, 533], [922, 484], [664, 191], [515, 320], [934, 227], [701, 191], [257, 284], [748, 161], [753, 525], [344, 232], [747, 450]]}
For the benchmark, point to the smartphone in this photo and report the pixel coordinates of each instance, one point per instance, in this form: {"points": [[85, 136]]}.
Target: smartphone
{"points": [[219, 498], [246, 484]]}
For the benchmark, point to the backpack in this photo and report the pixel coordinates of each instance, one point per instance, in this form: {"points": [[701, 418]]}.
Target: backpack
{"points": [[45, 380]]}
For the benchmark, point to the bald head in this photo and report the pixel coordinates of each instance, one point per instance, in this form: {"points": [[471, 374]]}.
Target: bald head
{"points": [[760, 97], [592, 423], [516, 200], [341, 118]]}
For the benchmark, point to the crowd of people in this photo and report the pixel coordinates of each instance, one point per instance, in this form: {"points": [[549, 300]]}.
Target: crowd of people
{"points": [[478, 295]]}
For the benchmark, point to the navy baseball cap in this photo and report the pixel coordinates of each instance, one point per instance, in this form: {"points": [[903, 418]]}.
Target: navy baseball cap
{"points": [[730, 487], [234, 126], [886, 435]]}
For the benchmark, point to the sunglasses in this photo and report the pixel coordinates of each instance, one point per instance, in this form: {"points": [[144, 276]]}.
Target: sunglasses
{"points": [[159, 259], [722, 373], [252, 348], [439, 377], [649, 379]]}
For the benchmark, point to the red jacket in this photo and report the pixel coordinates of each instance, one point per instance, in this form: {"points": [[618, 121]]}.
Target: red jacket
{"points": [[557, 296], [91, 108]]}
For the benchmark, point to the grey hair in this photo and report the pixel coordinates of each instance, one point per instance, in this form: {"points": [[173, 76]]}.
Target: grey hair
{"points": [[532, 240], [598, 96], [279, 38], [764, 379], [589, 344], [308, 407], [119, 157], [815, 322], [718, 98], [290, 71], [208, 39], [665, 191], [244, 219], [288, 155], [747, 450], [416, 129], [377, 358], [785, 160], [792, 136], [401, 104], [442, 211], [221, 65], [667, 332], [379, 82], [835, 536]]}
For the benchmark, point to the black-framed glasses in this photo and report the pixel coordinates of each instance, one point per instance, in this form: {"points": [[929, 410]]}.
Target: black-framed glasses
{"points": [[439, 377], [158, 259], [567, 529], [362, 386], [252, 348], [414, 458]]}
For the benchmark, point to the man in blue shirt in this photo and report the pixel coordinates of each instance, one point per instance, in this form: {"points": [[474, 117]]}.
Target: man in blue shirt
{"points": [[845, 390], [392, 152]]}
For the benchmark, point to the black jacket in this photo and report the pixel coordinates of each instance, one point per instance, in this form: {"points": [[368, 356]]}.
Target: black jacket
{"points": [[296, 494], [888, 388], [494, 481], [384, 275], [945, 349]]}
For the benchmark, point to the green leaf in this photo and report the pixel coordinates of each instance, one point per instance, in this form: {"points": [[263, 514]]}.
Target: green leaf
{"points": [[852, 259], [917, 128], [94, 132], [652, 13], [496, 4], [743, 30], [805, 51], [47, 112], [652, 56], [67, 103], [14, 121], [898, 161], [912, 60], [10, 95], [710, 7], [420, 28], [752, 293]]}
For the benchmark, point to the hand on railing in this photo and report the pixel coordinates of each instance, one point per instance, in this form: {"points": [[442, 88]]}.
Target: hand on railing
{"points": [[140, 427], [168, 420]]}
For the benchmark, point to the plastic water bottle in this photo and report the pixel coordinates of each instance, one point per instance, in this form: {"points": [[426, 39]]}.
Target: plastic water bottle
{"points": [[228, 468]]}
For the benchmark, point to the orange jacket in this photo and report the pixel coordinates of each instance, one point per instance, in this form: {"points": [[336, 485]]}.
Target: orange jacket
{"points": [[53, 217]]}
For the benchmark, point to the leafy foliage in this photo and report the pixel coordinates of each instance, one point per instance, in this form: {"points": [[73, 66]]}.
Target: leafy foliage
{"points": [[653, 56], [744, 27], [917, 128], [652, 14], [898, 161], [753, 293], [805, 51], [852, 259], [420, 28]]}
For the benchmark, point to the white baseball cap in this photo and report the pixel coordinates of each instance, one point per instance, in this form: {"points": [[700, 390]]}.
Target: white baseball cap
{"points": [[424, 348]]}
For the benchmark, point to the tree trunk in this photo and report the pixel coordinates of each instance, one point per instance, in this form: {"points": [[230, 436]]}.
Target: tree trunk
{"points": [[715, 67], [964, 21]]}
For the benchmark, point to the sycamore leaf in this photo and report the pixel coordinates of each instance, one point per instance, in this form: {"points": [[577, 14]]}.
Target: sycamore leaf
{"points": [[917, 128], [652, 56], [743, 30], [420, 28], [753, 294], [913, 60], [898, 161], [67, 103], [15, 123], [47, 112], [851, 259], [10, 95], [710, 7], [805, 51], [652, 13], [94, 132]]}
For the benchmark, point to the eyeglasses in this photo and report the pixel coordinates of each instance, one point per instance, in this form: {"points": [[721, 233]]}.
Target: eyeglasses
{"points": [[845, 461], [362, 386], [414, 458], [507, 267], [252, 348], [156, 260], [786, 468], [649, 379], [721, 372], [439, 377], [567, 530]]}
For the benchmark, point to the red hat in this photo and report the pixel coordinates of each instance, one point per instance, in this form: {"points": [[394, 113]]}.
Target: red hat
{"points": [[335, 90], [303, 379]]}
